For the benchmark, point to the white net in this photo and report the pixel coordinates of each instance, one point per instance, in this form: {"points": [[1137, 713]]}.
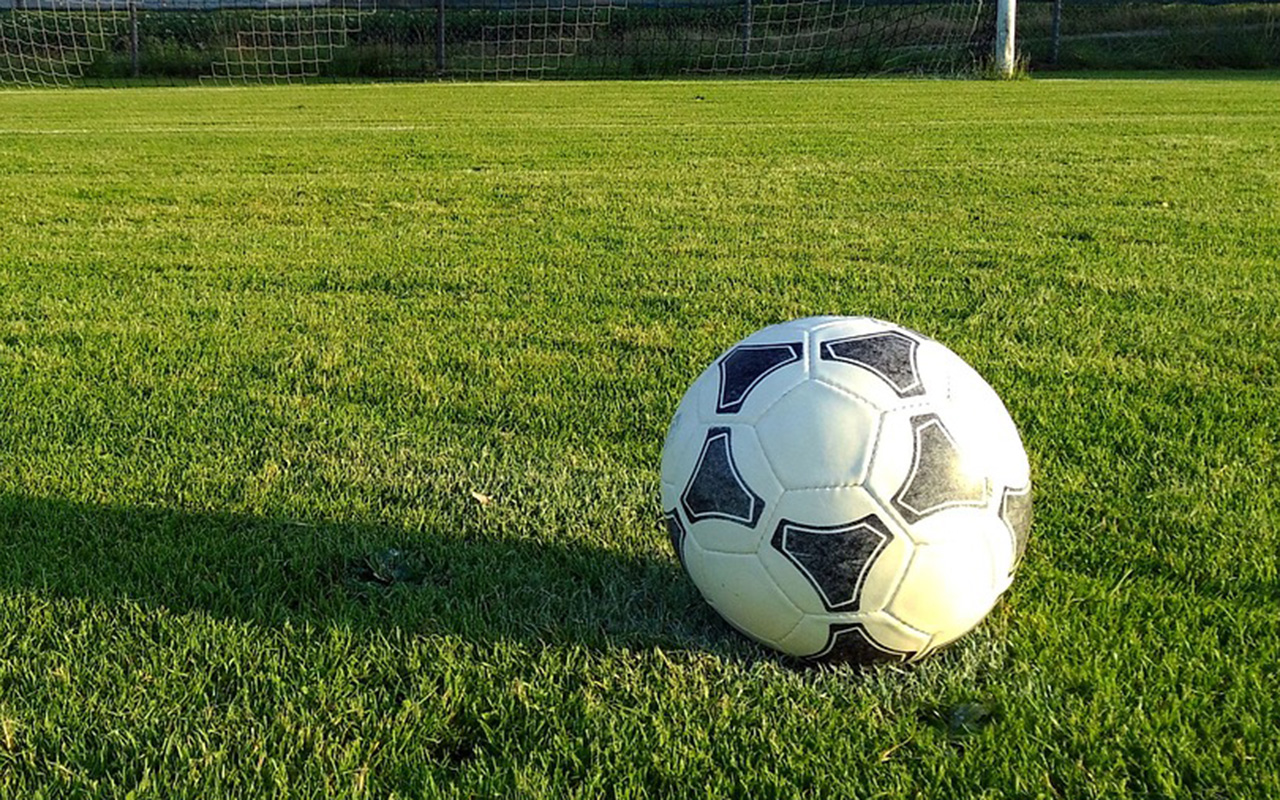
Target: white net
{"points": [[531, 38], [62, 42], [289, 41], [837, 36], [51, 42]]}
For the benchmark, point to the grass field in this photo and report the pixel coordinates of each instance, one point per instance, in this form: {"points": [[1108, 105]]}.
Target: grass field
{"points": [[258, 349]]}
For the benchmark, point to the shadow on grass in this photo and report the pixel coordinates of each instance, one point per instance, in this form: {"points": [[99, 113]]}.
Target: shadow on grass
{"points": [[271, 571]]}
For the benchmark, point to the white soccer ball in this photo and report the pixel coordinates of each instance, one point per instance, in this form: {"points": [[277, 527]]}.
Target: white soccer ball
{"points": [[845, 489]]}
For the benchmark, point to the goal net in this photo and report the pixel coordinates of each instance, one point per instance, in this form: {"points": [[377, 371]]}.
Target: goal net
{"points": [[286, 41], [791, 36], [530, 39], [50, 42], [70, 42]]}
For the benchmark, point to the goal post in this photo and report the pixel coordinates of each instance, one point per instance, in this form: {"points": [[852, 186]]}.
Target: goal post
{"points": [[1006, 25]]}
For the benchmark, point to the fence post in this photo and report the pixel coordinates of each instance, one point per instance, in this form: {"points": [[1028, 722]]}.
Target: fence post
{"points": [[133, 38], [748, 19], [440, 65], [1056, 33]]}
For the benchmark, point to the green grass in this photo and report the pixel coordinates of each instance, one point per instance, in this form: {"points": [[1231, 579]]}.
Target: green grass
{"points": [[252, 341]]}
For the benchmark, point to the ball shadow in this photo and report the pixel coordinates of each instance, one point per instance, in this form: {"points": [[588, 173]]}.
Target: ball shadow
{"points": [[330, 573]]}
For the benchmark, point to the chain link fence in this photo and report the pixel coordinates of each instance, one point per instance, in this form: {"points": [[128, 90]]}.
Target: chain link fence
{"points": [[1109, 35]]}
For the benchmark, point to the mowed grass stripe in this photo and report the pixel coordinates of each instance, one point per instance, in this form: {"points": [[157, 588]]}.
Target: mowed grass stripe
{"points": [[261, 348]]}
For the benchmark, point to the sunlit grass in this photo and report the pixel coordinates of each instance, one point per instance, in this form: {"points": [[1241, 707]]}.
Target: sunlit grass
{"points": [[330, 420]]}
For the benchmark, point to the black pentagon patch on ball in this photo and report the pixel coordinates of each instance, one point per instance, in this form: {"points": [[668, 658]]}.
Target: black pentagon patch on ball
{"points": [[747, 365], [890, 355], [717, 490], [835, 558], [849, 643], [937, 479], [1015, 511], [675, 529]]}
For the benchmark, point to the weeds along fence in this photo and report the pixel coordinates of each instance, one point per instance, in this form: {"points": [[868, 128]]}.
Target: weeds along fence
{"points": [[121, 42]]}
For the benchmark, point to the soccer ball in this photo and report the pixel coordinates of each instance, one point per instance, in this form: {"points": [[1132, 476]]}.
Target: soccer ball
{"points": [[845, 489]]}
